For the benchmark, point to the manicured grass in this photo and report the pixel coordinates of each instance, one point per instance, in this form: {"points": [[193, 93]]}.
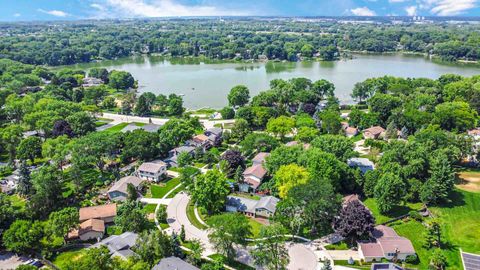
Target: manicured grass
{"points": [[158, 191], [395, 212], [256, 227], [176, 191], [231, 263], [246, 195], [100, 123], [355, 266], [175, 169], [414, 231], [150, 208], [164, 226], [65, 258], [116, 128], [191, 216], [337, 246]]}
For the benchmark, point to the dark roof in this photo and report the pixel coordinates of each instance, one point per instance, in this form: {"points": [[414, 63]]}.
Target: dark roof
{"points": [[174, 263]]}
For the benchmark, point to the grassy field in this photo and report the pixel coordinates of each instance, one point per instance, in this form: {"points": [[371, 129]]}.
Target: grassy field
{"points": [[395, 212], [247, 196], [158, 191], [65, 258], [150, 208], [338, 246], [191, 216], [460, 222], [176, 191], [256, 227], [119, 127]]}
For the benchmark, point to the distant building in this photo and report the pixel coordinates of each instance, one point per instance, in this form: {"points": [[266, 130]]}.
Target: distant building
{"points": [[364, 164], [90, 82], [119, 191], [259, 158], [152, 171], [200, 141], [386, 244], [214, 135], [253, 175], [119, 245], [265, 207], [173, 154], [174, 263], [351, 132], [374, 132]]}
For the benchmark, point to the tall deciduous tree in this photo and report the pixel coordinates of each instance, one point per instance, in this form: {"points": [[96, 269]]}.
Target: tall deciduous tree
{"points": [[210, 191], [238, 96], [30, 148], [280, 126], [272, 252], [441, 181], [289, 176], [228, 230], [233, 159], [24, 186], [389, 191], [23, 236], [131, 216], [63, 221], [153, 246]]}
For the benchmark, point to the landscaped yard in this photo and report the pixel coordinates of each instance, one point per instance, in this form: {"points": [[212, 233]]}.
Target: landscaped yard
{"points": [[150, 208], [192, 218], [395, 212], [231, 263], [119, 127], [469, 180], [159, 190], [67, 257], [246, 195], [256, 227], [460, 221], [337, 246]]}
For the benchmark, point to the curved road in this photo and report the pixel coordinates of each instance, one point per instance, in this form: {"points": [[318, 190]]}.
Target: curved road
{"points": [[177, 216]]}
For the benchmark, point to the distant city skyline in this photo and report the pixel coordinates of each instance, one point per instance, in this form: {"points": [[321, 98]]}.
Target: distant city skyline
{"points": [[23, 10]]}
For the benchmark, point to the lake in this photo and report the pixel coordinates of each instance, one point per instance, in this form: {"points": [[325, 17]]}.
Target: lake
{"points": [[206, 83]]}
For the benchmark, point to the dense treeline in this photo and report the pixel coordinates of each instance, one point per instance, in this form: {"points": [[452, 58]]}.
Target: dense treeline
{"points": [[64, 44]]}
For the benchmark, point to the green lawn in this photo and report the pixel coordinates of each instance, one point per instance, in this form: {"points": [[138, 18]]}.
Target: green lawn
{"points": [[114, 230], [460, 222], [256, 227], [65, 258], [176, 191], [246, 195], [191, 216], [150, 208], [158, 191], [395, 212], [119, 127], [338, 246]]}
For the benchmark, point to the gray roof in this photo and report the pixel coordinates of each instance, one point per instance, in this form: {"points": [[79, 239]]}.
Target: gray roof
{"points": [[185, 148], [121, 185], [131, 127], [174, 263], [215, 130], [268, 202], [152, 167], [360, 162], [119, 245], [151, 128], [250, 205]]}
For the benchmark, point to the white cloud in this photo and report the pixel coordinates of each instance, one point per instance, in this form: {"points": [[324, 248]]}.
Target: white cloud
{"points": [[448, 7], [160, 8], [363, 11], [397, 1], [17, 15], [411, 10], [56, 13]]}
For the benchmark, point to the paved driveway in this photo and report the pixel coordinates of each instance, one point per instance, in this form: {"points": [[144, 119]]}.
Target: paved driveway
{"points": [[177, 216], [11, 261], [343, 254], [301, 257]]}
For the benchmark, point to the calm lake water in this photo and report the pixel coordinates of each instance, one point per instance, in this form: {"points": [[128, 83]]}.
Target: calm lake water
{"points": [[206, 83]]}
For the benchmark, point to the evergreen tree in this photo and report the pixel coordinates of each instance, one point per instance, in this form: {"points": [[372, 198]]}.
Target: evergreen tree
{"points": [[24, 186], [433, 235], [441, 182], [182, 234]]}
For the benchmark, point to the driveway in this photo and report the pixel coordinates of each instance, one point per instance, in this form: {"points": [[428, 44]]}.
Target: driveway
{"points": [[177, 216], [9, 260], [155, 201], [301, 257]]}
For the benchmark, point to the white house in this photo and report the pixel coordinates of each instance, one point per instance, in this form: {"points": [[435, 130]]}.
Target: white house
{"points": [[152, 171]]}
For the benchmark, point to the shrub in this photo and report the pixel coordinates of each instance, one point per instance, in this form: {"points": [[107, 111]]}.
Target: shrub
{"points": [[415, 215], [412, 259], [162, 214]]}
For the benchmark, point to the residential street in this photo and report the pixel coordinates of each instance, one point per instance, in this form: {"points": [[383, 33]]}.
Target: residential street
{"points": [[177, 216]]}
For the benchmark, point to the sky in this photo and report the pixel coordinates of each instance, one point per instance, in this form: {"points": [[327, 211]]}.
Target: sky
{"points": [[34, 10]]}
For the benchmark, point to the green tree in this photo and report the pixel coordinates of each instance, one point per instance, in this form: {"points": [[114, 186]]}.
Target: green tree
{"points": [[455, 116], [195, 256], [280, 126], [340, 146], [389, 191], [238, 96], [441, 182], [7, 212], [210, 191], [227, 113], [81, 123], [272, 252], [227, 230], [331, 122], [258, 142], [240, 129], [30, 148], [153, 246], [184, 159], [306, 134], [433, 235], [438, 261], [307, 50], [63, 221], [132, 192], [131, 217], [24, 186], [48, 186], [175, 105], [11, 136], [139, 144], [289, 176], [23, 236], [142, 108], [120, 80], [282, 155]]}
